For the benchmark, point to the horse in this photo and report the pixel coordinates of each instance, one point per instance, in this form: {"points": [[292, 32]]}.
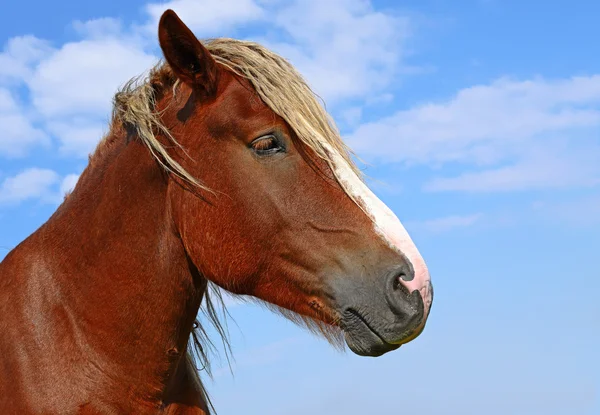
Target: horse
{"points": [[220, 168]]}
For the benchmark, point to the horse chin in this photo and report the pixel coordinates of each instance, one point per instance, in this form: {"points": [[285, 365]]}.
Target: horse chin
{"points": [[362, 339], [363, 347]]}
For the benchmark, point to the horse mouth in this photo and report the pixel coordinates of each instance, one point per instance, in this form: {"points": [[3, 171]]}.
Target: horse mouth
{"points": [[362, 338]]}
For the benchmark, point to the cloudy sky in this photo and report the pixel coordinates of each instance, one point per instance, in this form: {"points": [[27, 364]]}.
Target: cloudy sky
{"points": [[480, 124]]}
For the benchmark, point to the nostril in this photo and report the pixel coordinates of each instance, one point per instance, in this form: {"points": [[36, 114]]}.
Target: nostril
{"points": [[406, 304], [397, 279], [405, 277], [401, 275]]}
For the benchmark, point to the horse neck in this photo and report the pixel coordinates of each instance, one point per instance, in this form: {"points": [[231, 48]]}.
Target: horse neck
{"points": [[116, 259]]}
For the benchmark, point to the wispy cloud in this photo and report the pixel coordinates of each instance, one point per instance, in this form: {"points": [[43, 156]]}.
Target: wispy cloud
{"points": [[209, 17], [43, 185], [19, 135], [72, 87], [32, 183], [509, 135], [345, 48], [20, 53], [544, 168]]}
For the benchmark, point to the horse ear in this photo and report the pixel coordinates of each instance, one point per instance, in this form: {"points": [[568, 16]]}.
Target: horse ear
{"points": [[190, 61]]}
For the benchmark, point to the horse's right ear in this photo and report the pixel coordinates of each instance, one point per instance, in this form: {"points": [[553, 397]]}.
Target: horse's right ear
{"points": [[190, 61]]}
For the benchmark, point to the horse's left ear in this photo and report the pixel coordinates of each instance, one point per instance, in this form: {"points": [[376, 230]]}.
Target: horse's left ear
{"points": [[191, 62]]}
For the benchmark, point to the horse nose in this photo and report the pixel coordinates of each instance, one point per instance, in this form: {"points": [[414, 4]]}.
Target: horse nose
{"points": [[406, 297]]}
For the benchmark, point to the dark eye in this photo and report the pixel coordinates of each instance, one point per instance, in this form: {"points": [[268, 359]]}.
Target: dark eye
{"points": [[266, 145]]}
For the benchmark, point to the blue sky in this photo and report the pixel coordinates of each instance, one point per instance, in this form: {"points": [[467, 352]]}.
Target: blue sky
{"points": [[480, 122]]}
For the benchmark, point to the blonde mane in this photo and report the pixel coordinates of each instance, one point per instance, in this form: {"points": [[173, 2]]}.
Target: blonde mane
{"points": [[275, 80]]}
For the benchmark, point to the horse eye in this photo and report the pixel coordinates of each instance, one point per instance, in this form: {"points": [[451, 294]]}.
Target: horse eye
{"points": [[268, 144]]}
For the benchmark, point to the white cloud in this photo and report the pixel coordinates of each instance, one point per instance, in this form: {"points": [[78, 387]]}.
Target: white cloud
{"points": [[32, 183], [17, 134], [543, 167], [73, 86], [78, 136], [44, 185], [7, 103], [82, 77], [105, 27], [344, 48], [208, 17], [19, 54], [68, 183], [533, 133]]}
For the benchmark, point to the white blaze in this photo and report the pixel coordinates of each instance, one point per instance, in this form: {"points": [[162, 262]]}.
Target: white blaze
{"points": [[386, 224]]}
